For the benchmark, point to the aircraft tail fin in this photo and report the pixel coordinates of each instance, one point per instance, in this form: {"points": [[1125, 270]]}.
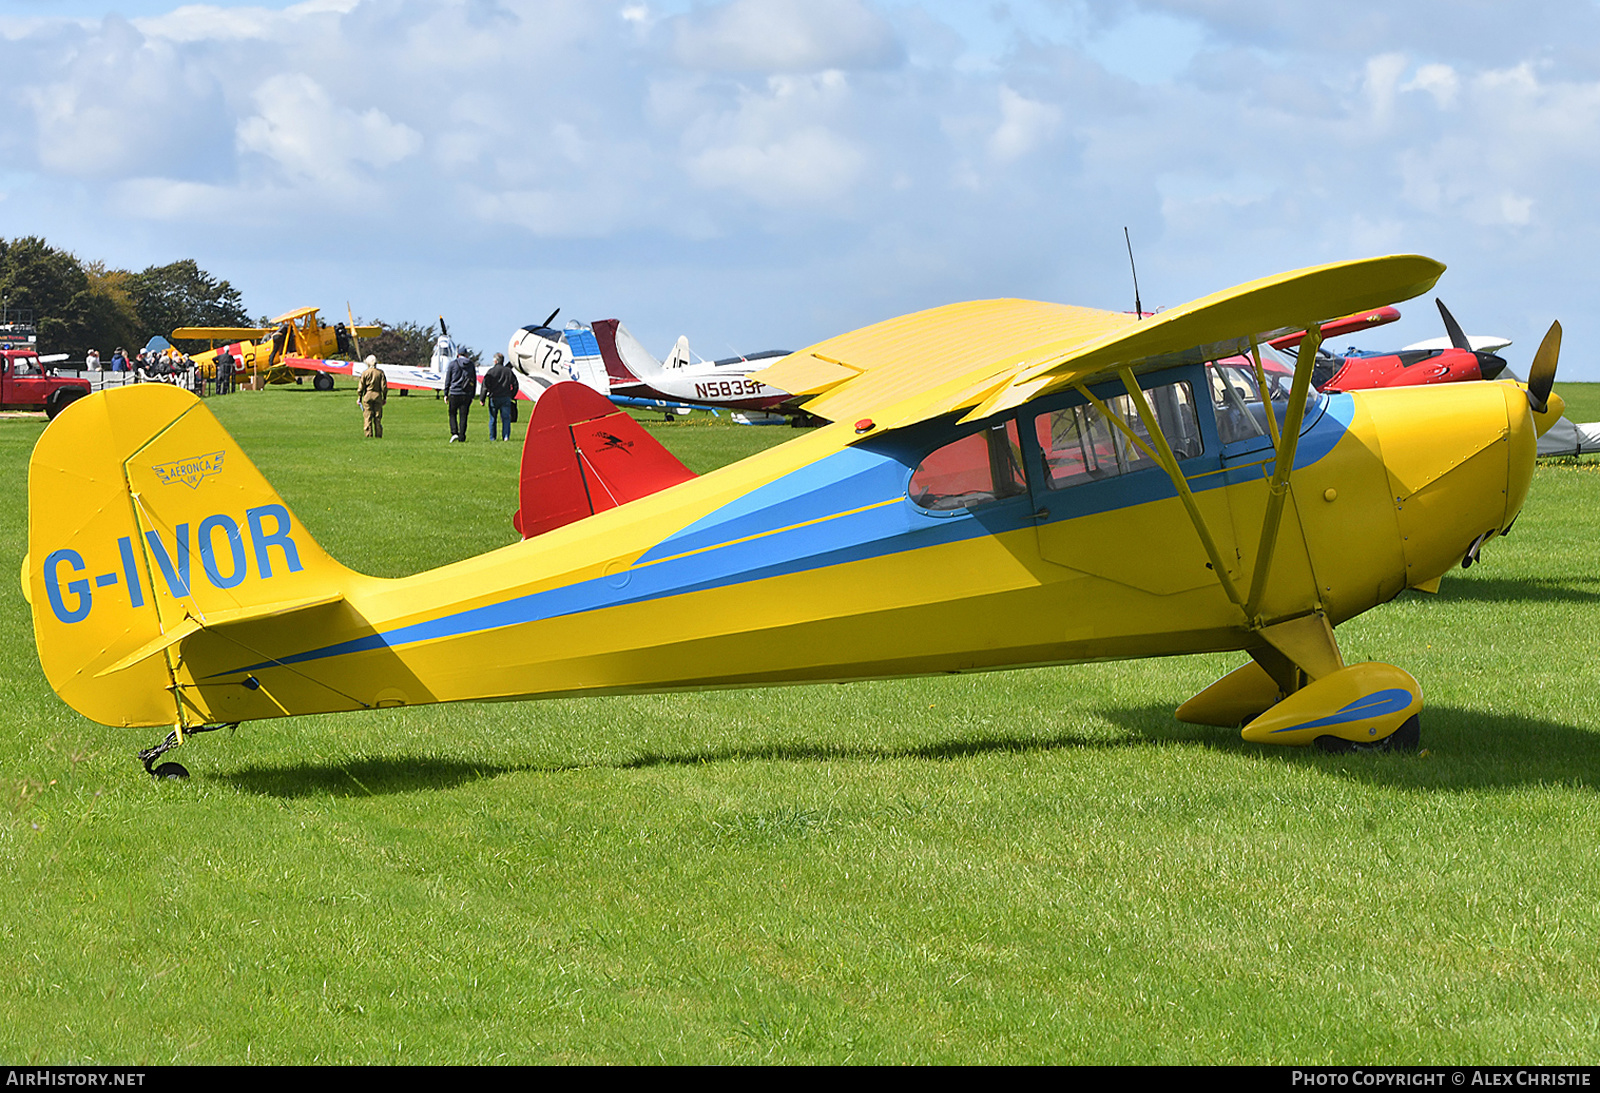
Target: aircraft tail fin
{"points": [[146, 525], [582, 455], [626, 360], [679, 357]]}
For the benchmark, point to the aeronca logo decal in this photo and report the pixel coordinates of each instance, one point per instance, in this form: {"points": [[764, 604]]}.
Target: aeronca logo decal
{"points": [[190, 470]]}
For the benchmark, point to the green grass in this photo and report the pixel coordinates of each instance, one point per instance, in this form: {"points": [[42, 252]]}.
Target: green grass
{"points": [[1036, 866], [1582, 399]]}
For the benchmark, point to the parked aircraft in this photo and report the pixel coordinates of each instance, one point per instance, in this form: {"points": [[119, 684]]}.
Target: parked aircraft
{"points": [[609, 359], [1454, 358], [1062, 491], [263, 351]]}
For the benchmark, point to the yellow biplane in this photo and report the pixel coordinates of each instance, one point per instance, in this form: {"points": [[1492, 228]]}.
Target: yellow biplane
{"points": [[261, 353], [1086, 485]]}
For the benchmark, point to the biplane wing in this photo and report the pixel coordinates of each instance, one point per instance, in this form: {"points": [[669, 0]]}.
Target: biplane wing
{"points": [[222, 333], [908, 370]]}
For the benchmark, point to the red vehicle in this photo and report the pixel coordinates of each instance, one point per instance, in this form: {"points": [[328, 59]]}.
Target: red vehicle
{"points": [[26, 385]]}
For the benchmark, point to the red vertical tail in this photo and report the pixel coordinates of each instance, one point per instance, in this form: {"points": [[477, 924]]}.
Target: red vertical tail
{"points": [[605, 333], [581, 456]]}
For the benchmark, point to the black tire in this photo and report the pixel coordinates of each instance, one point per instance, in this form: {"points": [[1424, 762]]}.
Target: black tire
{"points": [[174, 771], [1408, 737], [322, 382], [59, 400]]}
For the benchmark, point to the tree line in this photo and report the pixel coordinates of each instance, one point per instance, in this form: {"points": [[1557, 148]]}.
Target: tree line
{"points": [[77, 306]]}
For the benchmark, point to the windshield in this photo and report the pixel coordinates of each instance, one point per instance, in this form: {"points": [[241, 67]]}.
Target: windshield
{"points": [[1236, 395]]}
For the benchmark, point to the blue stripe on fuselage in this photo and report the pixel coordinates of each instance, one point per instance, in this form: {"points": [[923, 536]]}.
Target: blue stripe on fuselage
{"points": [[845, 507]]}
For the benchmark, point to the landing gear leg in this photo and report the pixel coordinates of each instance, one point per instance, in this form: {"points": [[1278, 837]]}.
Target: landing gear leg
{"points": [[174, 770]]}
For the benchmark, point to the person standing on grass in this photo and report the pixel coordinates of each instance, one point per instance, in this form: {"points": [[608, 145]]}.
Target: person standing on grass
{"points": [[372, 392], [500, 392], [460, 385], [224, 373]]}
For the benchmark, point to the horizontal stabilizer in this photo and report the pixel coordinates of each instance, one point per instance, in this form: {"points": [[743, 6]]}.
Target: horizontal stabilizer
{"points": [[582, 455], [216, 621]]}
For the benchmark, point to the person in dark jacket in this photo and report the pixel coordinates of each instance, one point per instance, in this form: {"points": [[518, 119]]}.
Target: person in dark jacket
{"points": [[460, 385], [500, 392]]}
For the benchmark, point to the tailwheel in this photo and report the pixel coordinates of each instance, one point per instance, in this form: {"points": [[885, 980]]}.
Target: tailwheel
{"points": [[174, 771]]}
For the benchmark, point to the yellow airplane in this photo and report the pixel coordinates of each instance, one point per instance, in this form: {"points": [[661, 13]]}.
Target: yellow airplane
{"points": [[1086, 485], [262, 350]]}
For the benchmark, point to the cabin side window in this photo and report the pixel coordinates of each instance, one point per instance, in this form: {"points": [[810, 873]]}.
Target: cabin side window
{"points": [[1237, 396], [975, 470], [1077, 444]]}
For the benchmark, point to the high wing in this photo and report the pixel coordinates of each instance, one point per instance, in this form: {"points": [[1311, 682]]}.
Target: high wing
{"points": [[925, 365]]}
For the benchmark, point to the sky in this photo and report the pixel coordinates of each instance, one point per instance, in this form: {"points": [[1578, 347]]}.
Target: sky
{"points": [[768, 173]]}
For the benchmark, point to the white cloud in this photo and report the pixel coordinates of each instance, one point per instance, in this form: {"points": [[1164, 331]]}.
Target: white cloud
{"points": [[300, 128], [1024, 125], [785, 36], [808, 166], [1382, 80], [1437, 80], [776, 171]]}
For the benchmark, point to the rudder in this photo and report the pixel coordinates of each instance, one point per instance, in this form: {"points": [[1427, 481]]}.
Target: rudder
{"points": [[147, 524]]}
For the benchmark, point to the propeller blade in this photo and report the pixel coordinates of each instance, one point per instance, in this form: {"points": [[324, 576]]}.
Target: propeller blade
{"points": [[445, 330], [1542, 373], [354, 339], [1452, 328], [552, 317]]}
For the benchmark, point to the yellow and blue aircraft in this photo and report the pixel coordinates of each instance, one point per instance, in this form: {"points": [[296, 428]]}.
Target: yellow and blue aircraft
{"points": [[1085, 485]]}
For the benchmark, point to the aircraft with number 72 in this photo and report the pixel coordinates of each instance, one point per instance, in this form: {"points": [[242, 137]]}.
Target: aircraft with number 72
{"points": [[1083, 485]]}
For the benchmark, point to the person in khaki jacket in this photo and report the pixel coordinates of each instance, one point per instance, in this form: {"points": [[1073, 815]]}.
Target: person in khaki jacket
{"points": [[372, 392]]}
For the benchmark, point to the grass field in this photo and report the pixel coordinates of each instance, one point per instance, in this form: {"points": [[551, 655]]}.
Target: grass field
{"points": [[1036, 866]]}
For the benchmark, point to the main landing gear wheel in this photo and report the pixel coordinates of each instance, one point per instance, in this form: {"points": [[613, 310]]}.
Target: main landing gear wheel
{"points": [[175, 771], [1408, 737], [323, 382]]}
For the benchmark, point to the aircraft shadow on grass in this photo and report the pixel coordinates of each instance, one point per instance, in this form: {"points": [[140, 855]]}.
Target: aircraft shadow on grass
{"points": [[1500, 750], [1523, 590], [404, 774], [1465, 749]]}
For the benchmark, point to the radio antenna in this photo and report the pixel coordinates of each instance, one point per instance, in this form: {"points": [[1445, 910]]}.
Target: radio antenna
{"points": [[1138, 308]]}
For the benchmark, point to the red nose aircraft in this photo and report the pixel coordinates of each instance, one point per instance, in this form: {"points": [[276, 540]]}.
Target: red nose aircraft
{"points": [[1462, 359]]}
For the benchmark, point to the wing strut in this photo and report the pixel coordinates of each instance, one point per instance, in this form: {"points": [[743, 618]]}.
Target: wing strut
{"points": [[1283, 465], [1261, 389], [1169, 463]]}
